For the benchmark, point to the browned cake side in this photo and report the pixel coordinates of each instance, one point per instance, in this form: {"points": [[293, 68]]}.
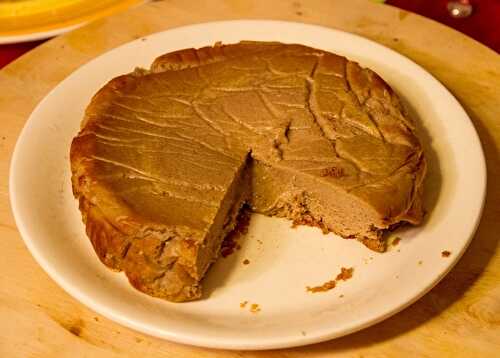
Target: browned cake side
{"points": [[166, 157]]}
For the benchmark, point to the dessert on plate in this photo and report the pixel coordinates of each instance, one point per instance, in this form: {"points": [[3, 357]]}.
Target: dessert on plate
{"points": [[166, 157]]}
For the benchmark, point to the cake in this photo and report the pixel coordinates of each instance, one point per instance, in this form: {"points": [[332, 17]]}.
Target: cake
{"points": [[166, 157]]}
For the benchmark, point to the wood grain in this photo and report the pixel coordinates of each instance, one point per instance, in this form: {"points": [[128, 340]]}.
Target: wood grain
{"points": [[459, 317]]}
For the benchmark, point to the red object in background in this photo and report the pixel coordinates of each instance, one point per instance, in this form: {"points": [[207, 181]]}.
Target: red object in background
{"points": [[10, 52], [483, 24]]}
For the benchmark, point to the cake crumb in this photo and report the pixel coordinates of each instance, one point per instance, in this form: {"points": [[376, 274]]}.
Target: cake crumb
{"points": [[345, 273], [254, 308], [243, 304], [420, 262], [246, 261], [230, 241], [333, 172], [399, 250], [445, 253], [303, 333], [396, 241], [341, 296], [327, 286]]}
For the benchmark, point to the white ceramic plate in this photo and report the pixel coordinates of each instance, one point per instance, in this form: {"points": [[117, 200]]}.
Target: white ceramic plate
{"points": [[283, 261]]}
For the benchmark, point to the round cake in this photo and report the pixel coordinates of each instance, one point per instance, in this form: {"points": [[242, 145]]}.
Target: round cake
{"points": [[166, 157]]}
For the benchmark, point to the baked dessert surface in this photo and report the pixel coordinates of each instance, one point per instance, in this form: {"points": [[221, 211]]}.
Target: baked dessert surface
{"points": [[166, 157]]}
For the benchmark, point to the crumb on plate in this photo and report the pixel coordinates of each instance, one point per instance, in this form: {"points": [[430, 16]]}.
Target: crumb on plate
{"points": [[254, 308], [345, 273], [327, 286]]}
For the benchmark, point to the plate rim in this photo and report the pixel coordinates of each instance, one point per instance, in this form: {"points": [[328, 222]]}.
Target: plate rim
{"points": [[108, 312]]}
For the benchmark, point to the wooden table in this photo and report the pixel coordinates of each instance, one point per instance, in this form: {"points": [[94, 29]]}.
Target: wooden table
{"points": [[461, 316]]}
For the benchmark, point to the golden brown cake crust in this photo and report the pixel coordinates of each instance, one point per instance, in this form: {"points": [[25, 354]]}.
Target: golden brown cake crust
{"points": [[364, 148]]}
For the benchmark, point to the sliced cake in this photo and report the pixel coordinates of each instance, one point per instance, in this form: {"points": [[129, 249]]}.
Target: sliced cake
{"points": [[166, 157]]}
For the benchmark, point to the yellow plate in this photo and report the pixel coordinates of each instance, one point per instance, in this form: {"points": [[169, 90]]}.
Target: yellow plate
{"points": [[25, 20]]}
